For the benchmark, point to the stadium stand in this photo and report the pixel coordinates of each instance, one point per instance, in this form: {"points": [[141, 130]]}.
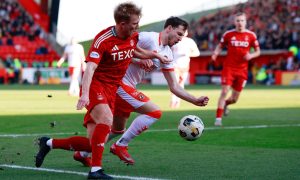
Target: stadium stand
{"points": [[276, 23], [22, 39]]}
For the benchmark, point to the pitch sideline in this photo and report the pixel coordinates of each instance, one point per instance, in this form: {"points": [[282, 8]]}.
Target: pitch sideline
{"points": [[156, 130], [72, 172]]}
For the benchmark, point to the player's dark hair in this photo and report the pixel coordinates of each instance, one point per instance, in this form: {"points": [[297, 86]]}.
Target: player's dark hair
{"points": [[124, 11], [239, 14], [175, 22]]}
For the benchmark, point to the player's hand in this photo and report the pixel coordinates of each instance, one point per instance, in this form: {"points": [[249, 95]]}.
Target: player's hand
{"points": [[214, 57], [59, 64], [202, 101], [248, 57], [147, 65], [83, 102], [164, 59]]}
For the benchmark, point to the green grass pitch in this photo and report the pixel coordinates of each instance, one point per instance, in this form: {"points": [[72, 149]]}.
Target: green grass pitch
{"points": [[260, 138]]}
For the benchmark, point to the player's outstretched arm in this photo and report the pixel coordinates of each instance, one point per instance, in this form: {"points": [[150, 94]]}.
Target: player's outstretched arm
{"points": [[86, 83], [176, 89], [146, 54]]}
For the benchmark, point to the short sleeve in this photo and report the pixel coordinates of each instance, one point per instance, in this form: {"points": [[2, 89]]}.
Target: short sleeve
{"points": [[99, 46], [254, 42], [223, 41]]}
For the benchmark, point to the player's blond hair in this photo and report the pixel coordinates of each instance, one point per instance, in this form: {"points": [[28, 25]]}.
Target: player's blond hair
{"points": [[124, 11]]}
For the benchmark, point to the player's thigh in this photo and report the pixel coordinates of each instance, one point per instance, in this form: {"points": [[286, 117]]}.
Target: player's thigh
{"points": [[76, 72], [130, 97], [235, 95], [147, 108], [101, 113], [224, 91]]}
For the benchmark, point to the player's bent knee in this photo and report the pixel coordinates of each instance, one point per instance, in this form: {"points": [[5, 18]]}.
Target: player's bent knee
{"points": [[155, 114]]}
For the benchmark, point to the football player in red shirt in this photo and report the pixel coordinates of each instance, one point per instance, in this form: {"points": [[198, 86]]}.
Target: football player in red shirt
{"points": [[107, 61], [238, 42]]}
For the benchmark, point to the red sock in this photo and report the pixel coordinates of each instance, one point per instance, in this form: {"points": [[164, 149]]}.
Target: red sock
{"points": [[98, 140], [219, 113], [76, 143]]}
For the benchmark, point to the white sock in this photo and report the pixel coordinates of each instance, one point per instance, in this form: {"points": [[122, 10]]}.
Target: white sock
{"points": [[218, 119], [139, 124], [95, 168], [84, 154], [49, 143]]}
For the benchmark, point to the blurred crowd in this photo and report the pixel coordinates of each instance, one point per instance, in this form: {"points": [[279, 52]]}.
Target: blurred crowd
{"points": [[14, 21], [265, 74], [276, 23], [18, 34]]}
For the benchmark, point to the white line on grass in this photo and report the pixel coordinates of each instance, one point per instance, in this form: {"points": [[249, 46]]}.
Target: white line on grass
{"points": [[158, 130], [40, 134], [72, 172], [234, 127]]}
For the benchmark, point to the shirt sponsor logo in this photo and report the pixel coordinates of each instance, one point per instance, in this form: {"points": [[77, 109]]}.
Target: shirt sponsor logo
{"points": [[94, 54], [240, 43], [122, 55]]}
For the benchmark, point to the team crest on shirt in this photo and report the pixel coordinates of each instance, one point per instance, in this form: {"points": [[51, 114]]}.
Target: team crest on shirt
{"points": [[99, 96], [141, 96], [131, 42]]}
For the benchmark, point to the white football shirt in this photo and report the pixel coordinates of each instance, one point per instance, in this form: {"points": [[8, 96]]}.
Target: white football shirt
{"points": [[149, 41], [75, 54]]}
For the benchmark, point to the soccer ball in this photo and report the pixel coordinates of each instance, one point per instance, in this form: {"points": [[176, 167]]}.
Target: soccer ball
{"points": [[190, 127]]}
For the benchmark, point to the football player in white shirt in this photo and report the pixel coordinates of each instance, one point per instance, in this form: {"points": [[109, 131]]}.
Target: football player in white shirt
{"points": [[74, 52], [129, 99], [182, 52]]}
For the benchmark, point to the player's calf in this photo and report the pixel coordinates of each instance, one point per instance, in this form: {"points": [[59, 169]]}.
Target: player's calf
{"points": [[226, 110], [86, 161]]}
